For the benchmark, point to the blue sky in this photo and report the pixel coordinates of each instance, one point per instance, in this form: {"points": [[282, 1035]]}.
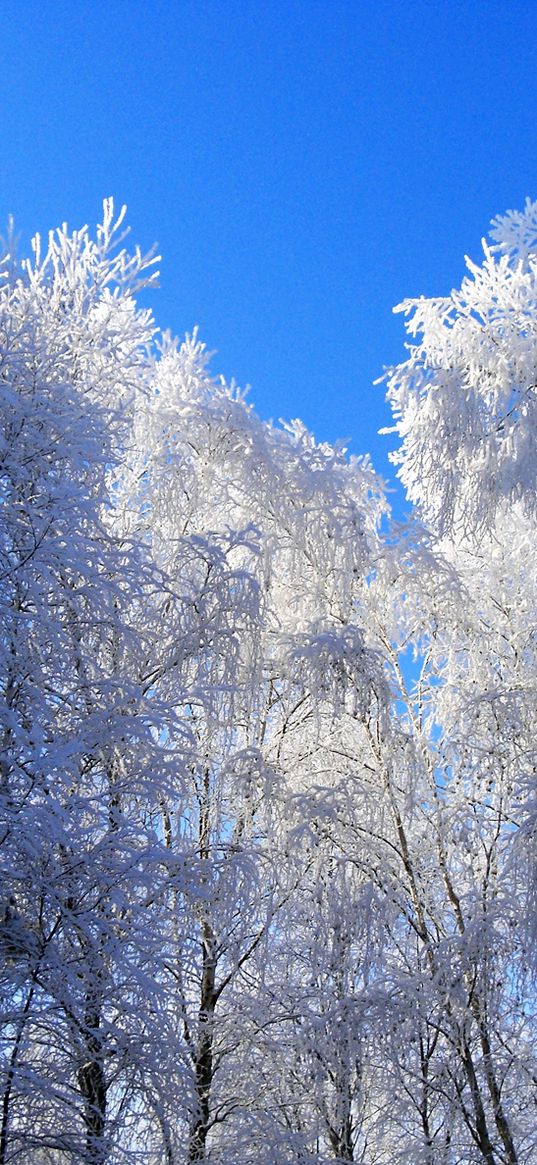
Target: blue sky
{"points": [[302, 165]]}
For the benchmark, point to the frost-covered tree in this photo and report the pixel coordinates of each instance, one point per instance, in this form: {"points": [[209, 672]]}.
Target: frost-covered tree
{"points": [[464, 404], [265, 538], [79, 767]]}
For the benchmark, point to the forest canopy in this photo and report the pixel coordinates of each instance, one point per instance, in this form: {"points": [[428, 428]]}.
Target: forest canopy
{"points": [[268, 794]]}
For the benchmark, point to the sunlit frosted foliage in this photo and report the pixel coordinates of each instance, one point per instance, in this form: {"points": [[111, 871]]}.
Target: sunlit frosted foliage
{"points": [[465, 401]]}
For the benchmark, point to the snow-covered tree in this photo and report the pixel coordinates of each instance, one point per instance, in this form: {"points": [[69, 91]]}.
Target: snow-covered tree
{"points": [[464, 404], [78, 750], [265, 538]]}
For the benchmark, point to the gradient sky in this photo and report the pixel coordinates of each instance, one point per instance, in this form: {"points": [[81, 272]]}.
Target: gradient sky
{"points": [[302, 165]]}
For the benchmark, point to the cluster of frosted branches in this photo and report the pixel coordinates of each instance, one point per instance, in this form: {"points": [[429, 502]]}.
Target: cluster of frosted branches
{"points": [[267, 767]]}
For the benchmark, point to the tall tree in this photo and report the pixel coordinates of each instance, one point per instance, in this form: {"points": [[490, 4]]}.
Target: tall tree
{"points": [[262, 534], [464, 404], [78, 755]]}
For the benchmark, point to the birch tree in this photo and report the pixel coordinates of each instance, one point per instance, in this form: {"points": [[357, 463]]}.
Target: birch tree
{"points": [[78, 755], [260, 533], [464, 407]]}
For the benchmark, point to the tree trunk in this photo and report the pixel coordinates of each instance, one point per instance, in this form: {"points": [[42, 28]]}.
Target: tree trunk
{"points": [[93, 1086], [203, 1063], [10, 1077]]}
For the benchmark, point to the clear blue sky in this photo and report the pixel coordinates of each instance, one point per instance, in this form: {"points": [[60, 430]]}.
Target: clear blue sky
{"points": [[303, 165]]}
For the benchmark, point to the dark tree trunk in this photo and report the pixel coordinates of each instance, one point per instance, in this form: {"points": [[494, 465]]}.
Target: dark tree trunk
{"points": [[203, 1064], [93, 1088]]}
